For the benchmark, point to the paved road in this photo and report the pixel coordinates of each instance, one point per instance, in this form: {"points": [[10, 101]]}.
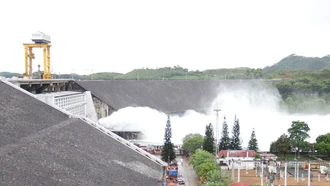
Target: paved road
{"points": [[188, 173]]}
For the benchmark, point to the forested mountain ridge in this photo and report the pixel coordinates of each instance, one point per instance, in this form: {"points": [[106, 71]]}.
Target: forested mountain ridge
{"points": [[9, 74], [295, 62], [288, 67], [164, 73]]}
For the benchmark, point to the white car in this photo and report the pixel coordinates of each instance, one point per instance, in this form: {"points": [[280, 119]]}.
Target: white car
{"points": [[180, 180]]}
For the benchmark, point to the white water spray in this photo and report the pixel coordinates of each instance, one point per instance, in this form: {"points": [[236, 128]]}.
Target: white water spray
{"points": [[255, 107]]}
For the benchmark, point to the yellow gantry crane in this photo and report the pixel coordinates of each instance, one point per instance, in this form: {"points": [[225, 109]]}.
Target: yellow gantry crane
{"points": [[40, 40]]}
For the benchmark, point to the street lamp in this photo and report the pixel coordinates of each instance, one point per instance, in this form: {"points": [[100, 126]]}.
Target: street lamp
{"points": [[295, 153]]}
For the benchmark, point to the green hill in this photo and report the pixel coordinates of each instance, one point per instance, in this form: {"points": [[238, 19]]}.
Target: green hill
{"points": [[9, 74], [295, 62], [160, 73], [164, 73], [177, 72], [100, 76]]}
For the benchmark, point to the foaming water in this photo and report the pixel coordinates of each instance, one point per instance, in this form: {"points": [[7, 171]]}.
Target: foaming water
{"points": [[255, 106], [152, 123]]}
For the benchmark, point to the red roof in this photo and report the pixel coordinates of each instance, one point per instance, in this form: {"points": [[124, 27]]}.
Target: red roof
{"points": [[239, 184], [237, 153]]}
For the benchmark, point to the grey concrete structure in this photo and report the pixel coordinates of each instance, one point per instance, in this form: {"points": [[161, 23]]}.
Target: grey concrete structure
{"points": [[166, 96], [37, 86], [40, 145]]}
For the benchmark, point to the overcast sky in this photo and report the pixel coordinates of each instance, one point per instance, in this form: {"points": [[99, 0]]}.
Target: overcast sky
{"points": [[119, 36]]}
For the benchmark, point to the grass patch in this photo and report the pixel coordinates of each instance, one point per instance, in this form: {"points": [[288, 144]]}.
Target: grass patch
{"points": [[291, 157]]}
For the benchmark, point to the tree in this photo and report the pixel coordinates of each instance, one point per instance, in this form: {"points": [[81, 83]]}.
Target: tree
{"points": [[209, 139], [192, 142], [200, 157], [257, 156], [283, 144], [217, 178], [190, 135], [323, 143], [206, 167], [253, 143], [224, 140], [168, 153], [272, 147], [235, 141], [203, 162], [298, 134]]}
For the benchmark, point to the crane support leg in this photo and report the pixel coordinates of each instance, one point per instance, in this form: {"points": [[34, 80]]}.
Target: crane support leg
{"points": [[26, 57], [47, 74], [29, 56]]}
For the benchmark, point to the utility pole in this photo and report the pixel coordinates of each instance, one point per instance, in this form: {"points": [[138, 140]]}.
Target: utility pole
{"points": [[298, 172], [285, 173], [262, 173], [295, 170], [232, 170], [217, 109], [239, 172], [309, 174]]}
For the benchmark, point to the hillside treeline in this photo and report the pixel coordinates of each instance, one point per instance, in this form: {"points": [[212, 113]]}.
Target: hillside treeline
{"points": [[305, 92], [165, 73]]}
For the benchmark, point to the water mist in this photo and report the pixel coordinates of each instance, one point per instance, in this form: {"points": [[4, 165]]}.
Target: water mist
{"points": [[255, 105]]}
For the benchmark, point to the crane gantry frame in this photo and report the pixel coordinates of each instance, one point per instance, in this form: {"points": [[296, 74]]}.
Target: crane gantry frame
{"points": [[41, 41], [29, 55]]}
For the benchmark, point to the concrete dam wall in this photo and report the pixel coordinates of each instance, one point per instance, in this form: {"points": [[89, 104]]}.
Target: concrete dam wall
{"points": [[166, 96]]}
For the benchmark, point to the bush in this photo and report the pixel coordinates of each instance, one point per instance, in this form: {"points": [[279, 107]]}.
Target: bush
{"points": [[208, 170]]}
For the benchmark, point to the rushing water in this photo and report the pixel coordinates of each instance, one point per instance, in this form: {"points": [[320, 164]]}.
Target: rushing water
{"points": [[255, 107]]}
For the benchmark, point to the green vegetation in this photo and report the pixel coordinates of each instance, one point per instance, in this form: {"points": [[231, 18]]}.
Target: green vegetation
{"points": [[192, 142], [298, 134], [295, 62], [253, 143], [305, 95], [295, 142], [303, 83], [206, 167], [224, 140], [101, 75], [208, 144], [168, 73], [157, 74], [9, 74], [288, 147], [292, 156], [168, 153], [235, 141], [323, 144], [281, 145]]}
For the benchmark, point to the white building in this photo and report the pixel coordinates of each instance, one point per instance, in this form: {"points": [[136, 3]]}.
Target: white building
{"points": [[243, 159]]}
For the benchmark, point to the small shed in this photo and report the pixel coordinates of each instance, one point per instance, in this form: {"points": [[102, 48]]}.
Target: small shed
{"points": [[268, 156]]}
